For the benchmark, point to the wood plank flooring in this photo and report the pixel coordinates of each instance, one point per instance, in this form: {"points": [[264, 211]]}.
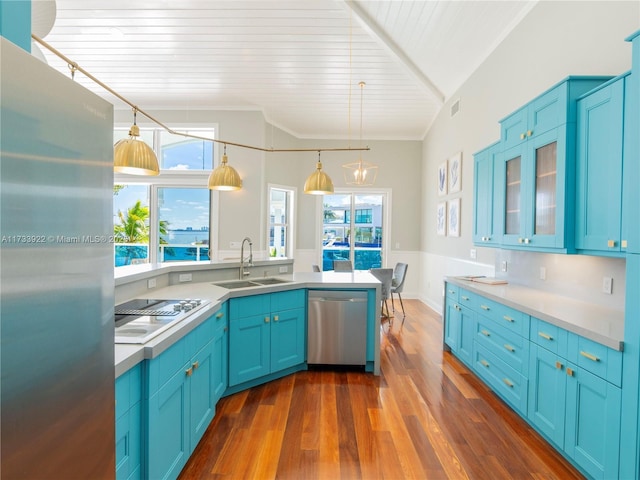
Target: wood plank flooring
{"points": [[425, 417]]}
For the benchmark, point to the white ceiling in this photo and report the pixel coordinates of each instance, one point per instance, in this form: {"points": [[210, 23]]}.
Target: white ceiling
{"points": [[298, 61]]}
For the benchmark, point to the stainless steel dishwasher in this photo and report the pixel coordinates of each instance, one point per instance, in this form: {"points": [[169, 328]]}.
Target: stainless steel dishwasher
{"points": [[337, 327]]}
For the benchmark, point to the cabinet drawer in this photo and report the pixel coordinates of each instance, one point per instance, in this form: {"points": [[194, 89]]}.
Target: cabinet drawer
{"points": [[549, 336], [249, 306], [468, 299], [507, 346], [513, 320], [504, 380], [451, 291], [288, 300], [594, 357]]}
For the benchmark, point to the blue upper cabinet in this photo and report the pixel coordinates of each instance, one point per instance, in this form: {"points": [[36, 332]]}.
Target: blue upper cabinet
{"points": [[599, 168], [535, 172], [485, 218], [631, 196]]}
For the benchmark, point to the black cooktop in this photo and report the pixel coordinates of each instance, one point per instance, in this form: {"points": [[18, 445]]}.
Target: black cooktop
{"points": [[128, 311]]}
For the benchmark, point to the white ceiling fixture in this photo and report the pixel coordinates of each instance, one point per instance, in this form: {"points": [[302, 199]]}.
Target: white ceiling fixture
{"points": [[285, 58]]}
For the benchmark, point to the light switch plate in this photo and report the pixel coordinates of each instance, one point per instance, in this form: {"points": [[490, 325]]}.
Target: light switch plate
{"points": [[607, 285], [185, 277], [284, 269]]}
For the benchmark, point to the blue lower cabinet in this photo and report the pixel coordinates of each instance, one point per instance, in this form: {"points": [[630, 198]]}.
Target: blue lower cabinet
{"points": [[266, 335], [180, 407], [547, 393], [220, 354], [129, 424], [592, 437]]}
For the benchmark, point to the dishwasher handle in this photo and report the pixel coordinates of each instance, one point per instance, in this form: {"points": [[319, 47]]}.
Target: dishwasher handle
{"points": [[341, 300]]}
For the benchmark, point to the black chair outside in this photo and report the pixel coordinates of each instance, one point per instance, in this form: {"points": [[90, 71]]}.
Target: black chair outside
{"points": [[316, 268], [385, 276], [397, 284], [342, 266]]}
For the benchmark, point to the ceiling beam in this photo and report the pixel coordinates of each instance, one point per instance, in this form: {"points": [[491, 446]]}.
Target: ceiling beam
{"points": [[381, 36]]}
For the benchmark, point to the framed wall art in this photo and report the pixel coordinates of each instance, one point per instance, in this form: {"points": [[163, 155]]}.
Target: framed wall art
{"points": [[453, 223], [455, 173], [442, 179], [441, 218]]}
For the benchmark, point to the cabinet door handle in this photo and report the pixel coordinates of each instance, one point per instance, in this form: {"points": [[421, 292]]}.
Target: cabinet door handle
{"points": [[508, 382], [589, 356], [546, 336], [529, 133], [276, 318], [611, 243], [189, 371], [623, 243], [219, 315], [266, 319], [484, 307], [484, 363], [527, 241], [508, 318], [570, 372], [523, 136], [195, 365], [225, 329], [509, 347], [559, 365], [485, 333], [520, 240], [457, 307]]}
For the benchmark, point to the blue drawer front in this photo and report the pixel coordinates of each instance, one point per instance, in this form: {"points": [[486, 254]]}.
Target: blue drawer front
{"points": [[602, 361], [249, 306], [549, 336]]}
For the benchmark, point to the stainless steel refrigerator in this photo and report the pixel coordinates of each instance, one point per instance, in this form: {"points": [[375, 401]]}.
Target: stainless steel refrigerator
{"points": [[56, 275]]}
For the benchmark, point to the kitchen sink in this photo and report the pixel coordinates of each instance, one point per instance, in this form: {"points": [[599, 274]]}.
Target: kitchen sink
{"points": [[258, 282], [236, 284], [270, 281]]}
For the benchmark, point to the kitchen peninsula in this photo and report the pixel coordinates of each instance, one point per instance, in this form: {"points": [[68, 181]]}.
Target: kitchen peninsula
{"points": [[247, 333]]}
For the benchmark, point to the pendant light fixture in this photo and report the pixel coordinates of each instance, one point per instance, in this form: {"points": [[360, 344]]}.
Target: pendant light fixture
{"points": [[225, 177], [318, 183], [133, 156], [360, 173]]}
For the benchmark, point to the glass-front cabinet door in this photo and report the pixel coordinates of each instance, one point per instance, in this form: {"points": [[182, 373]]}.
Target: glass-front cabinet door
{"points": [[533, 187]]}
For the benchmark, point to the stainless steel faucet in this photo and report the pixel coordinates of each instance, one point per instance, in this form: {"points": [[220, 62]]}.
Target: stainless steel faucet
{"points": [[243, 272]]}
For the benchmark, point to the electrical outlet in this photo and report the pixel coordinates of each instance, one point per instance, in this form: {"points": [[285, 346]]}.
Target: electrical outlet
{"points": [[472, 253], [503, 266], [184, 277], [235, 245], [607, 285], [151, 283], [543, 273], [397, 245], [284, 269]]}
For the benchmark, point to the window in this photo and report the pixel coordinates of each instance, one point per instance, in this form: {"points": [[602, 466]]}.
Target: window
{"points": [[168, 217], [365, 247], [281, 201]]}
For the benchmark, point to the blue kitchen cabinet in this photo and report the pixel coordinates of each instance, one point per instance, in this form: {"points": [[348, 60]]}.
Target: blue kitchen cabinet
{"points": [[485, 218], [266, 335], [459, 324], [599, 168], [535, 174], [547, 393], [592, 438], [180, 401], [220, 352], [129, 424]]}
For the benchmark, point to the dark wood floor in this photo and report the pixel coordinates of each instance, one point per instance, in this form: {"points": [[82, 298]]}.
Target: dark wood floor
{"points": [[424, 417]]}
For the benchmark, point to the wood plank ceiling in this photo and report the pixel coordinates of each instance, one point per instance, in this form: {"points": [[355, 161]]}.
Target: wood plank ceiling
{"points": [[297, 61]]}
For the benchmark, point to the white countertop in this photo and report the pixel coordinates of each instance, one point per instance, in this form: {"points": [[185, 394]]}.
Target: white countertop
{"points": [[128, 355], [595, 322]]}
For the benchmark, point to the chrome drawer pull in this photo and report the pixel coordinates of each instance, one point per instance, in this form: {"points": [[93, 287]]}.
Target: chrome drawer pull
{"points": [[508, 382], [485, 333], [484, 363], [508, 318], [545, 336], [484, 307], [589, 356], [509, 347], [465, 298]]}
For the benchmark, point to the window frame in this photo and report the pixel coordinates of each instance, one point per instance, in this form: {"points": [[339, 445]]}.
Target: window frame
{"points": [[291, 193], [175, 179]]}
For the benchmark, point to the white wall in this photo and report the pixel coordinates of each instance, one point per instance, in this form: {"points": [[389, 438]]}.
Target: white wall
{"points": [[555, 40]]}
